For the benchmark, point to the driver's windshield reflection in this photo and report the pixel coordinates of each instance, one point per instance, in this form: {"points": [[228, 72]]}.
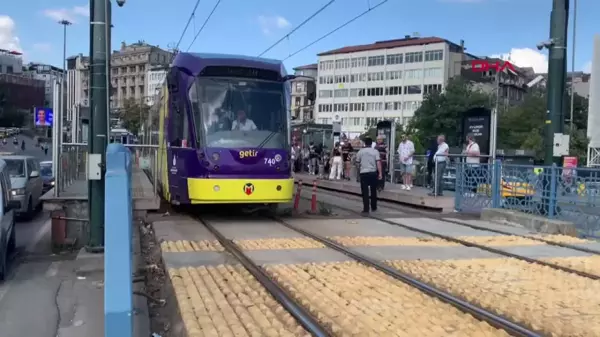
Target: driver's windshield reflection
{"points": [[243, 123]]}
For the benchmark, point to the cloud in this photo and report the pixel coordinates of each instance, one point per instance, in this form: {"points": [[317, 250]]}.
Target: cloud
{"points": [[42, 47], [269, 24], [69, 14], [587, 68], [8, 37], [526, 57]]}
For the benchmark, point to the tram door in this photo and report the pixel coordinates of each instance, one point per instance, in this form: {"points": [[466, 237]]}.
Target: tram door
{"points": [[387, 130]]}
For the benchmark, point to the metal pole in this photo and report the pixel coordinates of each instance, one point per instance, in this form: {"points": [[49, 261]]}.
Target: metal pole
{"points": [[58, 118], [55, 136], [573, 65], [98, 114], [494, 120], [559, 19]]}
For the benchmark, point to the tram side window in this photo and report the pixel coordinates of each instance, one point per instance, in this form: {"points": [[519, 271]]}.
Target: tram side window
{"points": [[179, 123]]}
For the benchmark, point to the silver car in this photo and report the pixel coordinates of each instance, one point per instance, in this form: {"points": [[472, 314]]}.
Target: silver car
{"points": [[26, 183]]}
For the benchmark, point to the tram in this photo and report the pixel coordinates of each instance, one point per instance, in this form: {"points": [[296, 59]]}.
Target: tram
{"points": [[224, 131]]}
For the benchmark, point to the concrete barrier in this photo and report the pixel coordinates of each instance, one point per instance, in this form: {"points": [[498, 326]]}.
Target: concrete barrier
{"points": [[532, 222], [118, 259]]}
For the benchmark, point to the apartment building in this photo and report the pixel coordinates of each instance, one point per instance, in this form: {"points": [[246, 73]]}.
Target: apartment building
{"points": [[302, 106], [129, 68], [361, 85], [156, 76], [78, 91], [47, 73]]}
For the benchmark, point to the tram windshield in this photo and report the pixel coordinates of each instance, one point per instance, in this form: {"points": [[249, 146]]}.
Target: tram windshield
{"points": [[238, 113]]}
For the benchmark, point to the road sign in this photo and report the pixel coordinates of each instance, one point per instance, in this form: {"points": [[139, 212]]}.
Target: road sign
{"points": [[43, 116]]}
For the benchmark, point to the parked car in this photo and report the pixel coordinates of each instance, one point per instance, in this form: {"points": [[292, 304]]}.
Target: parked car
{"points": [[26, 183], [47, 175], [7, 220]]}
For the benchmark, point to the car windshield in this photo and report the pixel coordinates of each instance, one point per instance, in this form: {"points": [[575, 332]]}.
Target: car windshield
{"points": [[46, 170], [16, 167], [232, 112]]}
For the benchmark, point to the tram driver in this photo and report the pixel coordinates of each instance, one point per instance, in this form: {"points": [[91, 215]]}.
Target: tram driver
{"points": [[243, 123]]}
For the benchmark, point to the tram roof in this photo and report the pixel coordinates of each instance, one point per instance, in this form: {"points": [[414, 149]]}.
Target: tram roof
{"points": [[190, 61]]}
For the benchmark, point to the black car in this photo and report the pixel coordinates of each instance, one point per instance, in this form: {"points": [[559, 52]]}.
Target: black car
{"points": [[47, 175]]}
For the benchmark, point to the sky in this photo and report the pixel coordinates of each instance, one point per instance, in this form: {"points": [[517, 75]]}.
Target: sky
{"points": [[488, 27]]}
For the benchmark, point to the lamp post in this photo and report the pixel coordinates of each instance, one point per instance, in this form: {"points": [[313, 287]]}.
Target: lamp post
{"points": [[573, 65], [58, 119]]}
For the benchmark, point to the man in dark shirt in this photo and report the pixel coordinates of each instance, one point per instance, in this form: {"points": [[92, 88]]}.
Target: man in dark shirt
{"points": [[430, 163], [382, 148], [312, 158]]}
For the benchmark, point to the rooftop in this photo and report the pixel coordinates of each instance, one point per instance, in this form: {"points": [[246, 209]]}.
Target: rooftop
{"points": [[308, 66], [407, 41]]}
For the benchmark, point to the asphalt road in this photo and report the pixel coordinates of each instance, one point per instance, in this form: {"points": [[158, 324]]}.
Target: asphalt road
{"points": [[28, 297]]}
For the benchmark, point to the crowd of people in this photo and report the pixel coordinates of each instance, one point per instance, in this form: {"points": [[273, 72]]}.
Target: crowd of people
{"points": [[370, 163]]}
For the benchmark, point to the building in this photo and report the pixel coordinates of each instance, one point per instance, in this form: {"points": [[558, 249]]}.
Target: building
{"points": [[22, 93], [579, 81], [361, 85], [48, 74], [302, 106], [155, 77], [77, 103], [129, 68], [11, 62]]}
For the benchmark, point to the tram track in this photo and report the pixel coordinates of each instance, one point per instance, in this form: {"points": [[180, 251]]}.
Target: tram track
{"points": [[411, 210], [316, 323], [480, 246]]}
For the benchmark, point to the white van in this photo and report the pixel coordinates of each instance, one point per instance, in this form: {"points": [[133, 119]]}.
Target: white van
{"points": [[7, 220]]}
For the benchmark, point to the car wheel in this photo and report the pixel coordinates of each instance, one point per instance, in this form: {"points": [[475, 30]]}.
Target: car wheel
{"points": [[29, 214]]}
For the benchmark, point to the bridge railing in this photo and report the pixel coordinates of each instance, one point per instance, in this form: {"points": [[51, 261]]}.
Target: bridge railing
{"points": [[569, 194], [118, 248]]}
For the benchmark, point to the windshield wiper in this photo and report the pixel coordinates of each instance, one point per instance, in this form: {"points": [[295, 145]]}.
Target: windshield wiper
{"points": [[270, 136]]}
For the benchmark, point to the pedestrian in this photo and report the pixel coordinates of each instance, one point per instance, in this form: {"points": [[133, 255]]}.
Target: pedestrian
{"points": [[382, 148], [431, 162], [346, 157], [473, 160], [337, 164], [441, 159], [406, 150], [369, 162], [312, 163]]}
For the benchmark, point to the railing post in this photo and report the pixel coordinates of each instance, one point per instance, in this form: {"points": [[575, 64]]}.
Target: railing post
{"points": [[496, 183], [552, 201], [118, 264], [459, 186]]}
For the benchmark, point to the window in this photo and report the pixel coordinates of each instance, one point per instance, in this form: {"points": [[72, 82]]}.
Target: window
{"points": [[412, 74], [375, 92], [342, 64], [357, 106], [434, 55], [326, 79], [340, 93], [413, 57], [396, 90], [340, 107], [376, 61], [393, 75], [394, 59], [358, 77], [389, 106], [406, 120], [431, 88], [410, 105], [299, 87], [326, 65], [341, 78], [357, 92], [375, 106], [358, 62], [16, 168], [412, 89], [324, 93], [325, 108], [432, 72], [378, 76]]}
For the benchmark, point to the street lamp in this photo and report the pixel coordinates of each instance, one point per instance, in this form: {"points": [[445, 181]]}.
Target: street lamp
{"points": [[57, 127]]}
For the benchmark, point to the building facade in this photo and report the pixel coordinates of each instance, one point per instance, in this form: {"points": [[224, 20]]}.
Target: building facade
{"points": [[361, 85], [129, 68], [156, 76], [47, 73], [302, 107], [11, 62], [78, 91]]}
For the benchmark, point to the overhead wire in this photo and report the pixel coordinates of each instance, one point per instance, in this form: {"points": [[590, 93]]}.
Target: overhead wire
{"points": [[297, 27], [187, 25], [336, 29], [204, 24]]}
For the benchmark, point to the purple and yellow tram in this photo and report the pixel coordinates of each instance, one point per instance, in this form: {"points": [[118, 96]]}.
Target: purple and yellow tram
{"points": [[224, 131]]}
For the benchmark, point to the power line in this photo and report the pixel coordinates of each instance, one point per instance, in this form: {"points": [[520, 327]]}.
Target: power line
{"points": [[335, 30], [187, 24], [298, 27], [204, 24]]}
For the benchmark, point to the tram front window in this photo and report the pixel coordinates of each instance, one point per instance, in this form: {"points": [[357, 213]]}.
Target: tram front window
{"points": [[239, 113]]}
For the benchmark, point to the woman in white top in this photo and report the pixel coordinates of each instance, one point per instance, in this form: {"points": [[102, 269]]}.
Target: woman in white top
{"points": [[473, 172]]}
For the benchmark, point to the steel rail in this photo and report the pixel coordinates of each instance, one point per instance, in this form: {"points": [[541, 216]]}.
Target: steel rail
{"points": [[297, 311], [497, 321]]}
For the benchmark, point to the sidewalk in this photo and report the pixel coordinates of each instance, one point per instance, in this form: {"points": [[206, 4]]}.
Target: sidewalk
{"points": [[62, 298]]}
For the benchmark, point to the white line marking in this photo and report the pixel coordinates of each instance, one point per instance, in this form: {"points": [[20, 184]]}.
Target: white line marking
{"points": [[53, 269], [39, 235]]}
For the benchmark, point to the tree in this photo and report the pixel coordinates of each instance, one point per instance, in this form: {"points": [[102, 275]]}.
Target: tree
{"points": [[400, 131], [133, 115], [442, 113]]}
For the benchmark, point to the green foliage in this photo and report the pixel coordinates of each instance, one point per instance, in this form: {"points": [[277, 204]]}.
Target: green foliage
{"points": [[442, 113], [372, 132], [133, 115]]}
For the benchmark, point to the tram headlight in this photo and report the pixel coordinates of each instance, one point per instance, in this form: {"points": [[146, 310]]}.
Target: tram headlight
{"points": [[216, 156], [216, 188]]}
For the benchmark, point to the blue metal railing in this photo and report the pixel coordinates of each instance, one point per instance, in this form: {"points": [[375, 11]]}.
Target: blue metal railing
{"points": [[118, 257], [558, 193]]}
